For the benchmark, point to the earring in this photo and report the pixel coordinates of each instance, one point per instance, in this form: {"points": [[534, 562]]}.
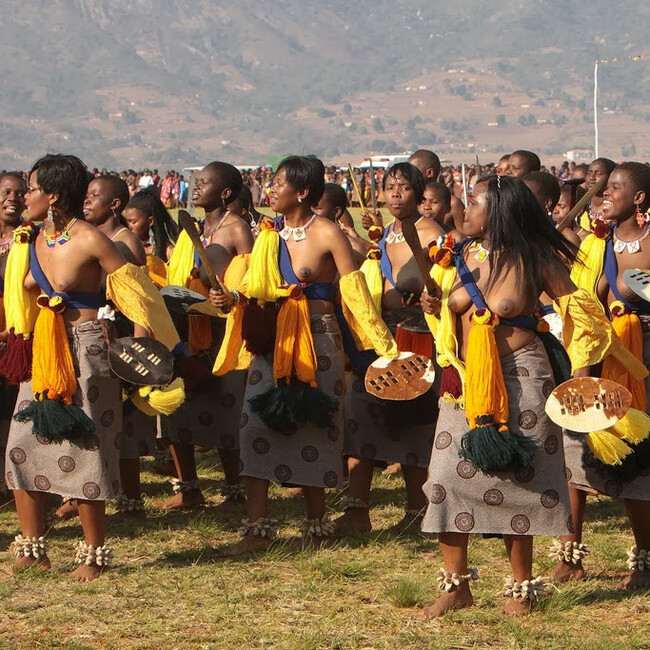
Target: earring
{"points": [[50, 215], [640, 217], [299, 200], [223, 202], [114, 213]]}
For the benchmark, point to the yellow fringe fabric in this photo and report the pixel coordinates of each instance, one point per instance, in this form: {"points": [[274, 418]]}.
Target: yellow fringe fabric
{"points": [[232, 353], [371, 268], [135, 295], [443, 327], [367, 327], [264, 275], [589, 267], [294, 344], [160, 401], [485, 388], [181, 261], [53, 374], [628, 328], [157, 270], [607, 447], [584, 221], [21, 309], [200, 328], [634, 426]]}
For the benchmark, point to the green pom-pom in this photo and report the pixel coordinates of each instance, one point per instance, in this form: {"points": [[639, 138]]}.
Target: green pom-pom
{"points": [[559, 359], [55, 420], [491, 450]]}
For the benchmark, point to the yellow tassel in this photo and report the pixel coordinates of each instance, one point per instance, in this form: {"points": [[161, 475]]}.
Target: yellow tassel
{"points": [[231, 346], [21, 310], [264, 276], [375, 281], [634, 426], [628, 328], [167, 399], [607, 447], [181, 261], [485, 388], [200, 328]]}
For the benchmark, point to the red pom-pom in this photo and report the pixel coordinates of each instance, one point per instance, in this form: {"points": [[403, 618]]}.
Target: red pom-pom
{"points": [[374, 253], [295, 291], [600, 228], [375, 233]]}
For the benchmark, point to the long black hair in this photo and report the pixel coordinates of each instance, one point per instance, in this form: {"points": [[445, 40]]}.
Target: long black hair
{"points": [[522, 234], [165, 229]]}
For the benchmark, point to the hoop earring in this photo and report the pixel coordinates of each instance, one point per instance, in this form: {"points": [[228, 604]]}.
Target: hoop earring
{"points": [[50, 215]]}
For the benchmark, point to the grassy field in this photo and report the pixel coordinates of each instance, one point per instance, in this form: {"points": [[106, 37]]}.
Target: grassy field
{"points": [[169, 589]]}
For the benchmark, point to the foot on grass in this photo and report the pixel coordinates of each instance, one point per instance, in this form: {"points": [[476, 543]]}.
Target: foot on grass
{"points": [[25, 564], [87, 572], [517, 607], [459, 598], [637, 580], [68, 510], [354, 519], [183, 501], [392, 470], [247, 545], [564, 572]]}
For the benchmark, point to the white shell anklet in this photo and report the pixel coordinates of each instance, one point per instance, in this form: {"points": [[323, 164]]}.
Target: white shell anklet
{"points": [[568, 552], [262, 527], [322, 527], [29, 547], [638, 560], [234, 492], [124, 504], [526, 590], [184, 486], [101, 556], [450, 581], [352, 503]]}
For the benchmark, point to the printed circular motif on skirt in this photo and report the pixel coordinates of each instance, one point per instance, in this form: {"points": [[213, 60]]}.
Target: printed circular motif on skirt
{"points": [[10, 480], [357, 385], [464, 522], [613, 488], [94, 349], [438, 494], [108, 417], [547, 388], [43, 440], [353, 426], [527, 419], [17, 456], [118, 441], [520, 524], [465, 469], [493, 497], [243, 420], [283, 473], [525, 475], [324, 363], [568, 474], [339, 387], [309, 453], [205, 418], [368, 451], [42, 482], [333, 433], [330, 479], [442, 440], [550, 498], [318, 326], [66, 463], [228, 400], [412, 460], [226, 441], [129, 429], [519, 371], [91, 490], [92, 394], [23, 405], [255, 377], [184, 434], [551, 444]]}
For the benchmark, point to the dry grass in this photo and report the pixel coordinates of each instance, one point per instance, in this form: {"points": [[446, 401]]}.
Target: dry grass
{"points": [[169, 588]]}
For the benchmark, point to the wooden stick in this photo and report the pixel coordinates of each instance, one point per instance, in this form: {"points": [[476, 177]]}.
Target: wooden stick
{"points": [[464, 184], [373, 187], [579, 206], [413, 240], [356, 187]]}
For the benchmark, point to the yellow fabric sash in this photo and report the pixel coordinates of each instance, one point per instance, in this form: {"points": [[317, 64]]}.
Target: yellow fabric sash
{"points": [[589, 266], [181, 261], [157, 270]]}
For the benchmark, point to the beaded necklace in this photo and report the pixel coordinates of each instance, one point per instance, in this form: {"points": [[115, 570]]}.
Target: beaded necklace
{"points": [[633, 246], [59, 238]]}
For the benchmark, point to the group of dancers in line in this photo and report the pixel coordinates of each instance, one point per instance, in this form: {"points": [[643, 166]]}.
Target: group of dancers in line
{"points": [[269, 361]]}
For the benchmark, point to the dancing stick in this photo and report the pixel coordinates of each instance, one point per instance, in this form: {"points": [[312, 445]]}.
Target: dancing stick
{"points": [[356, 187], [579, 206], [373, 187], [464, 184]]}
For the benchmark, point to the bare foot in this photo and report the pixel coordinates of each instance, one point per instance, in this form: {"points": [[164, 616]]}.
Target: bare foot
{"points": [[459, 598], [182, 501], [517, 608], [564, 572], [291, 492], [68, 510], [392, 470], [637, 580], [26, 563], [354, 519], [87, 572], [247, 545]]}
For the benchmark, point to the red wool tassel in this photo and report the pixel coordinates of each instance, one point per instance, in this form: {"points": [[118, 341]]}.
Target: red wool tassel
{"points": [[16, 362], [450, 382]]}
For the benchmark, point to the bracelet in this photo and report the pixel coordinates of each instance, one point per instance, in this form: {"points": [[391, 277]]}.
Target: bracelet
{"points": [[450, 581], [30, 547], [87, 554], [569, 552], [526, 590], [638, 560], [322, 527], [236, 296]]}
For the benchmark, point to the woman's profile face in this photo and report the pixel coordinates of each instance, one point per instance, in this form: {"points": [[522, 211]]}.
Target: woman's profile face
{"points": [[36, 201], [476, 213]]}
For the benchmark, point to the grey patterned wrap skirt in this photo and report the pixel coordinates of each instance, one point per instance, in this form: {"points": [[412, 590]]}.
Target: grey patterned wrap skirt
{"points": [[584, 472], [87, 470], [139, 433], [534, 501], [310, 456]]}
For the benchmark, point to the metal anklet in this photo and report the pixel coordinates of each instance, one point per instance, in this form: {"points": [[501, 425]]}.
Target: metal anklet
{"points": [[234, 492], [568, 552], [101, 556], [262, 527], [322, 527], [526, 590], [638, 560], [29, 547], [352, 503], [124, 504], [450, 581], [184, 486]]}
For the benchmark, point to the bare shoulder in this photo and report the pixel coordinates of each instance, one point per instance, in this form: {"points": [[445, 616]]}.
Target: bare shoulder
{"points": [[429, 230], [131, 247], [572, 236], [328, 231]]}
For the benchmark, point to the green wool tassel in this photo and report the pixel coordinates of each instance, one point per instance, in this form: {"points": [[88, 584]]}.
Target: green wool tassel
{"points": [[559, 359], [287, 406], [55, 420], [491, 450]]}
